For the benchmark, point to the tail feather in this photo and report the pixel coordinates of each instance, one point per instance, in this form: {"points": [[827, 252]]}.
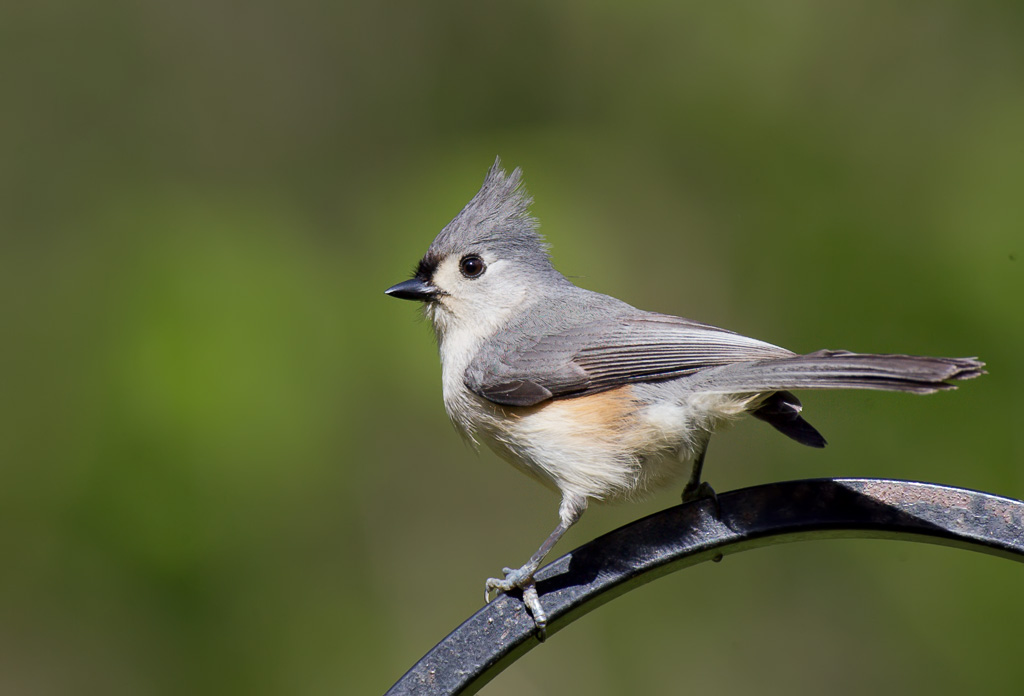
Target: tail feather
{"points": [[831, 369]]}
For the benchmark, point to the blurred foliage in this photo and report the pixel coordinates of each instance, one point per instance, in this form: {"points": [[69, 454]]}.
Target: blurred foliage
{"points": [[224, 464]]}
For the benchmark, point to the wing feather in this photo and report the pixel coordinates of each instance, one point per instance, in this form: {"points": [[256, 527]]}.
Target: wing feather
{"points": [[604, 353]]}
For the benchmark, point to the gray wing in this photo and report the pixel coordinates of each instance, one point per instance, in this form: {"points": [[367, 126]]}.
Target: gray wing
{"points": [[599, 354]]}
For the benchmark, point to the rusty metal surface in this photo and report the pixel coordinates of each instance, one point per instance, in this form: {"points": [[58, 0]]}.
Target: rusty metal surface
{"points": [[685, 535]]}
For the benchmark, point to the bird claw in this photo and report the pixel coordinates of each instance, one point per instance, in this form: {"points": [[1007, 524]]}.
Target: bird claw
{"points": [[515, 579], [532, 602], [520, 579], [702, 491]]}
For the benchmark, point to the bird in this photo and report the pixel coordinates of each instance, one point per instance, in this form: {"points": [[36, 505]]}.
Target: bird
{"points": [[592, 397]]}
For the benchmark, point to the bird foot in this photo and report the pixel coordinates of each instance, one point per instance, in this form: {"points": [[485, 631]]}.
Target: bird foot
{"points": [[515, 579], [702, 491], [520, 579]]}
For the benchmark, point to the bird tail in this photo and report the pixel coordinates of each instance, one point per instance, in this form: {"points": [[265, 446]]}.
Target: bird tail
{"points": [[840, 369], [829, 369]]}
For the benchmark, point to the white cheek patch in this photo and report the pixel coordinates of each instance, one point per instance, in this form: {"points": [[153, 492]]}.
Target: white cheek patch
{"points": [[476, 306]]}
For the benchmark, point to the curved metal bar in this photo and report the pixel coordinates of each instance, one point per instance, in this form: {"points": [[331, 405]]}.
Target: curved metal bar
{"points": [[682, 536]]}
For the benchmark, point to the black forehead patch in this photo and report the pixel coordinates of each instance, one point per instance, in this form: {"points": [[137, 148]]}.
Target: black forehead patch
{"points": [[427, 265]]}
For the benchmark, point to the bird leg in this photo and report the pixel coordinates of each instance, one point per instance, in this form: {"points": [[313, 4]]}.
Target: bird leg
{"points": [[696, 489], [569, 511]]}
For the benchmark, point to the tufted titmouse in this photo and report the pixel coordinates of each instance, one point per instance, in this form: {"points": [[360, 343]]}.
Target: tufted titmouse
{"points": [[591, 396]]}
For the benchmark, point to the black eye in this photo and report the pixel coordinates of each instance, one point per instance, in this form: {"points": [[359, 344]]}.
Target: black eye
{"points": [[472, 266]]}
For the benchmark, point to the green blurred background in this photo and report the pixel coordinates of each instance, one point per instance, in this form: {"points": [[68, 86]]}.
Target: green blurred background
{"points": [[225, 463]]}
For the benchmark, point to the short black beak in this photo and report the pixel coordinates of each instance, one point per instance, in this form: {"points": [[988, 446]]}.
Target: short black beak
{"points": [[414, 289]]}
